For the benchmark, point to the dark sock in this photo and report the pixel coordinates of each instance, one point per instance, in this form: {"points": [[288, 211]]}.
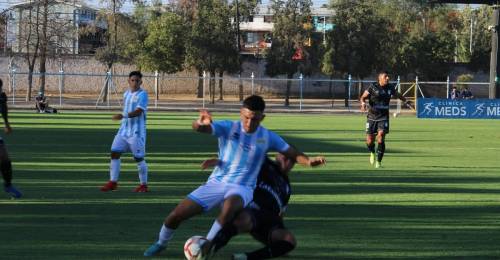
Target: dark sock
{"points": [[380, 151], [371, 147], [6, 169], [223, 236], [275, 249]]}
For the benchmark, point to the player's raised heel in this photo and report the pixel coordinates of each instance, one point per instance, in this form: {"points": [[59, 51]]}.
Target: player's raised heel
{"points": [[12, 191], [155, 249], [378, 165], [141, 188], [239, 256], [110, 186], [372, 158]]}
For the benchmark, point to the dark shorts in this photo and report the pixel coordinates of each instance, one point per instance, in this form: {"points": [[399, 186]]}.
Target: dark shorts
{"points": [[265, 222], [372, 127]]}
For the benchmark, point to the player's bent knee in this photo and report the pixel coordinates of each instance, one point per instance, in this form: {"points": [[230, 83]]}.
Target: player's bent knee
{"points": [[284, 235], [243, 222]]}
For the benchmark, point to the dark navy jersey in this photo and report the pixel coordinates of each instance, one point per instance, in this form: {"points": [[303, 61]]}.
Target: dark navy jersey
{"points": [[379, 100], [273, 190], [3, 102], [3, 98]]}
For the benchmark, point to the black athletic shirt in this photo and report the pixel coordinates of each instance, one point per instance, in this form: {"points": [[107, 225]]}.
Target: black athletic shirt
{"points": [[379, 99], [273, 190], [3, 101]]}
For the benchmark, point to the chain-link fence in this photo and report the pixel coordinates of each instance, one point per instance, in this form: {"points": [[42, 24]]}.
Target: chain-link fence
{"points": [[78, 90]]}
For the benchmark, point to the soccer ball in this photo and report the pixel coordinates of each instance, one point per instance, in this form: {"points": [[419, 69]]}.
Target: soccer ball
{"points": [[193, 248]]}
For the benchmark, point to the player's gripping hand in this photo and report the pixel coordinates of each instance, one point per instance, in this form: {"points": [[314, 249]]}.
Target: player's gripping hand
{"points": [[409, 105], [363, 107], [316, 161], [209, 163], [205, 117], [117, 117]]}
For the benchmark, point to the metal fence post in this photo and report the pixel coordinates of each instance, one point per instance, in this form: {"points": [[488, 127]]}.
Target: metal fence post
{"points": [[398, 110], [301, 83], [61, 85], [253, 81], [204, 82], [13, 86], [157, 95], [448, 87], [416, 93], [108, 89], [349, 94]]}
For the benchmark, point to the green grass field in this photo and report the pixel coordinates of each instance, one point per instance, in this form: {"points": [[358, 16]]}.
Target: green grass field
{"points": [[438, 195]]}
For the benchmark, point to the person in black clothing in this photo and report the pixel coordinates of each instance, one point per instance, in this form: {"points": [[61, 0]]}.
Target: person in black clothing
{"points": [[467, 94], [263, 218], [379, 96], [5, 163], [41, 102]]}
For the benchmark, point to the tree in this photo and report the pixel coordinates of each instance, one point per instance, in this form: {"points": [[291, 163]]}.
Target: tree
{"points": [[356, 41], [163, 47], [211, 43], [291, 19], [123, 37], [29, 24], [42, 36], [478, 44]]}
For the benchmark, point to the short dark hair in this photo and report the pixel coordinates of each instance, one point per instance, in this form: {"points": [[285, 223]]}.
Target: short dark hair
{"points": [[1, 83], [135, 73], [380, 72], [254, 103]]}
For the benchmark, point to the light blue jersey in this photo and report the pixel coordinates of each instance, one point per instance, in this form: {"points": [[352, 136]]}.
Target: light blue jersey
{"points": [[241, 154], [135, 126]]}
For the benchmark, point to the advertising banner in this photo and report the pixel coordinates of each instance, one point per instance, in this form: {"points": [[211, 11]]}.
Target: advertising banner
{"points": [[458, 108]]}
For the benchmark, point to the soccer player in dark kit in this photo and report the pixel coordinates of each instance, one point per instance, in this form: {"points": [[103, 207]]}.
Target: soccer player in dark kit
{"points": [[377, 124], [263, 218], [5, 163]]}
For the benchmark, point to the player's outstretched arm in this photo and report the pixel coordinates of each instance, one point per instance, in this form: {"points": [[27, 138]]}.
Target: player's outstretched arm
{"points": [[132, 114], [303, 159], [202, 125]]}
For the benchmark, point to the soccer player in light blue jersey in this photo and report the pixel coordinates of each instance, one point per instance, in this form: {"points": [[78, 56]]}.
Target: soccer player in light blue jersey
{"points": [[132, 134], [243, 146]]}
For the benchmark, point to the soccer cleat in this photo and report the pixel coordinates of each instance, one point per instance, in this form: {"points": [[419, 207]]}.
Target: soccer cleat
{"points": [[110, 186], [141, 188], [154, 250], [12, 191], [239, 256], [372, 158], [378, 164]]}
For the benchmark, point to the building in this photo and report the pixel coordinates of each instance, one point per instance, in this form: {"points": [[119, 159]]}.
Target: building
{"points": [[66, 22], [256, 33]]}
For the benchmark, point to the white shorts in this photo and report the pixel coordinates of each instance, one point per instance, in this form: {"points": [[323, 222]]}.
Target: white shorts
{"points": [[134, 144], [214, 193]]}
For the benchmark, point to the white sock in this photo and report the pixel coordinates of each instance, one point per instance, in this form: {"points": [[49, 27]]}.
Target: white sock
{"points": [[214, 230], [143, 172], [165, 235], [114, 170]]}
